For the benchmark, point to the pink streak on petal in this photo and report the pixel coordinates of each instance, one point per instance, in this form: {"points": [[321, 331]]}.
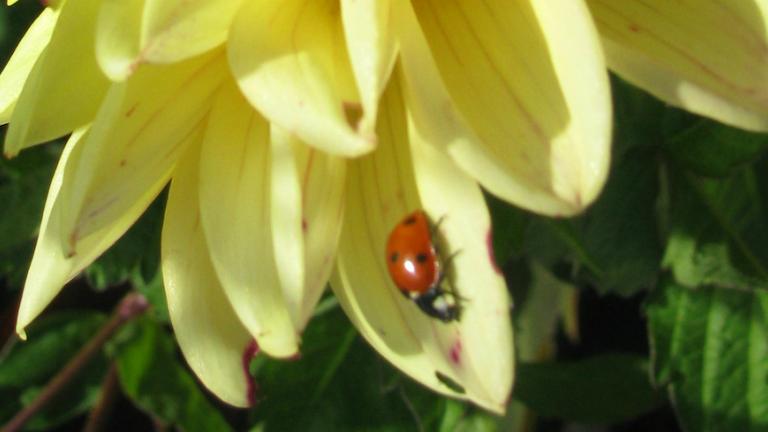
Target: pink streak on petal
{"points": [[491, 255], [456, 352], [251, 350]]}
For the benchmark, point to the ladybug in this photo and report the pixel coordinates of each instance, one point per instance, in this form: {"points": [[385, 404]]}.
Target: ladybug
{"points": [[416, 267]]}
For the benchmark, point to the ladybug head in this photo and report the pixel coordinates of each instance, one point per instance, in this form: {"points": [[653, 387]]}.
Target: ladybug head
{"points": [[439, 304]]}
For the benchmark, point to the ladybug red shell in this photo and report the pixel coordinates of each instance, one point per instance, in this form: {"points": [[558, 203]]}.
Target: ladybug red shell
{"points": [[416, 267]]}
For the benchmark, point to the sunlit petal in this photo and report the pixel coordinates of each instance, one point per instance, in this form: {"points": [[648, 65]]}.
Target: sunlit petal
{"points": [[53, 265], [214, 342], [20, 64], [322, 185], [137, 136], [707, 57], [132, 32], [65, 86], [234, 203], [475, 352], [290, 60], [371, 42], [518, 96], [285, 202]]}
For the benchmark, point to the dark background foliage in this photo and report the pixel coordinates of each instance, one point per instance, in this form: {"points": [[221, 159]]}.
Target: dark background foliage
{"points": [[668, 270]]}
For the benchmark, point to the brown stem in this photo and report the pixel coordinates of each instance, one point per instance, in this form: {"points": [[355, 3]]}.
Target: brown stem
{"points": [[130, 306], [110, 390]]}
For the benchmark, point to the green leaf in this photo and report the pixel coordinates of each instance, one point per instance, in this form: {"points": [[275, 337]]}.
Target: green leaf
{"points": [[509, 225], [601, 389], [152, 377], [75, 399], [637, 116], [28, 366], [154, 291], [710, 351], [537, 318], [619, 231], [458, 419], [340, 383], [23, 186], [51, 341], [709, 148], [718, 234], [615, 245]]}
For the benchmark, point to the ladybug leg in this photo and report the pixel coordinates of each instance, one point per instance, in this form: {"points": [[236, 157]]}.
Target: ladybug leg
{"points": [[446, 264], [451, 257]]}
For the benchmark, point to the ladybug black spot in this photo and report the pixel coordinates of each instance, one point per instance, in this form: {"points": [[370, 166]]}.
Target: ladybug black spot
{"points": [[394, 257], [422, 257], [410, 221]]}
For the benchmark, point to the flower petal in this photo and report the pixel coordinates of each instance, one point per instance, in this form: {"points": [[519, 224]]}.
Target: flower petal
{"points": [[211, 337], [476, 352], [517, 95], [372, 49], [706, 57], [137, 31], [135, 141], [65, 86], [288, 57], [52, 264], [23, 59], [286, 219], [235, 209], [51, 268], [322, 186]]}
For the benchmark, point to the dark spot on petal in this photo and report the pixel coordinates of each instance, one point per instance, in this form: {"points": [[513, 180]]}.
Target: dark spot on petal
{"points": [[450, 383], [131, 110], [251, 350], [456, 352]]}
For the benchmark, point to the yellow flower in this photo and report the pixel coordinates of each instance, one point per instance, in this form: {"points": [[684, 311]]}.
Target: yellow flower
{"points": [[296, 133]]}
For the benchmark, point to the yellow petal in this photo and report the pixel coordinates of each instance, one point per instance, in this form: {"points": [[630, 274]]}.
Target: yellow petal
{"points": [[322, 183], [214, 342], [288, 57], [476, 352], [131, 32], [65, 87], [517, 95], [136, 139], [285, 216], [53, 265], [481, 351], [235, 209], [706, 57], [24, 57], [370, 38]]}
